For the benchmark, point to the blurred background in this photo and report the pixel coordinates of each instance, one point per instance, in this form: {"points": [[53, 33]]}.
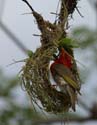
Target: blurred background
{"points": [[15, 105]]}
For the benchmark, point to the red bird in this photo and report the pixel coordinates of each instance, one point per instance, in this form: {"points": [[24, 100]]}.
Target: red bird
{"points": [[63, 76]]}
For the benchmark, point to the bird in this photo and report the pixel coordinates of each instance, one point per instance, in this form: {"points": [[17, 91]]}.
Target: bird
{"points": [[64, 77]]}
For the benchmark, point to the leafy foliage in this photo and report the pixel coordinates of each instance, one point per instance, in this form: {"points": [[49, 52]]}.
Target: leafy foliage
{"points": [[88, 42]]}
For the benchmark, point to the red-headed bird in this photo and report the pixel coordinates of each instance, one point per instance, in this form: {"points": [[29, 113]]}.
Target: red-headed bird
{"points": [[63, 76]]}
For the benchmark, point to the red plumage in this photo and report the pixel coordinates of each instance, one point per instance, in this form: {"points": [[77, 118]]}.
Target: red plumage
{"points": [[64, 58]]}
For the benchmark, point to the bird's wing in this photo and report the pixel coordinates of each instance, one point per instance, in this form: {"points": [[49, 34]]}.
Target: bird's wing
{"points": [[67, 75], [73, 96]]}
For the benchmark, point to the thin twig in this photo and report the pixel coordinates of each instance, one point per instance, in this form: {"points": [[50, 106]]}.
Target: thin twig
{"points": [[51, 121], [28, 5], [36, 35]]}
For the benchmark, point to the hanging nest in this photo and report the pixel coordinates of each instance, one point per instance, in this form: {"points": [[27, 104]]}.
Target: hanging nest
{"points": [[35, 78], [35, 74]]}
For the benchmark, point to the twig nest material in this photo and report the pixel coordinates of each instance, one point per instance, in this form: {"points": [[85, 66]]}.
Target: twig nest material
{"points": [[35, 73], [35, 78]]}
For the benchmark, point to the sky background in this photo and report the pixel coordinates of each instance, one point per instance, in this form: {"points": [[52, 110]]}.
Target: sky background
{"points": [[24, 26]]}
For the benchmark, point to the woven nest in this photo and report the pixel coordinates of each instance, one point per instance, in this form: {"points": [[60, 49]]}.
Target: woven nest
{"points": [[35, 77], [35, 73]]}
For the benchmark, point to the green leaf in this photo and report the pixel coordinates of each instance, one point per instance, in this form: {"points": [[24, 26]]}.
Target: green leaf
{"points": [[30, 53], [68, 43]]}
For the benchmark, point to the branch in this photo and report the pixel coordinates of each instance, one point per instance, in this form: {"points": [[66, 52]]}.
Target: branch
{"points": [[63, 15], [51, 121], [67, 8]]}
